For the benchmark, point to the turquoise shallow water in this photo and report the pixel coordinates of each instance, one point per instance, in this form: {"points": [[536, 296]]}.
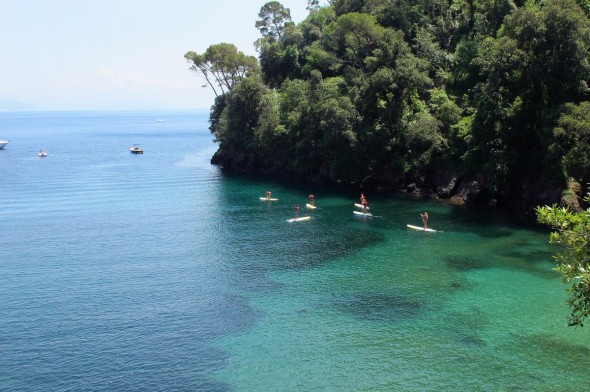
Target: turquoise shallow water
{"points": [[160, 272]]}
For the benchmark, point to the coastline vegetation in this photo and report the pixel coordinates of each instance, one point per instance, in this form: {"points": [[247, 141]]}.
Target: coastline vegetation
{"points": [[572, 236], [482, 100]]}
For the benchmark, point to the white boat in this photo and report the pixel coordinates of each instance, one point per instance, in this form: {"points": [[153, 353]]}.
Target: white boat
{"points": [[42, 154], [136, 149], [3, 143]]}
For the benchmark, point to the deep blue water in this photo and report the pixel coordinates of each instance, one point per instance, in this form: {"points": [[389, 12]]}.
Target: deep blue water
{"points": [[159, 272]]}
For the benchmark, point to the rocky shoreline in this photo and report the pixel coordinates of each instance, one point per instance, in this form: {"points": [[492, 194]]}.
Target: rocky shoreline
{"points": [[445, 185]]}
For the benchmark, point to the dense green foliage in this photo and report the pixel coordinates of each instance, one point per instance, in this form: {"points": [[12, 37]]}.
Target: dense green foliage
{"points": [[402, 90], [572, 234]]}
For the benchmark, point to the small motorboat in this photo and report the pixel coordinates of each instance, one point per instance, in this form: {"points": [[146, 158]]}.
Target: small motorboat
{"points": [[136, 149], [3, 143], [42, 154]]}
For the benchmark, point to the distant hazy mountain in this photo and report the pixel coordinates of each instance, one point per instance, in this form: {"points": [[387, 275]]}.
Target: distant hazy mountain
{"points": [[8, 105]]}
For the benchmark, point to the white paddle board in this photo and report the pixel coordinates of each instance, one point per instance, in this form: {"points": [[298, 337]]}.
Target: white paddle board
{"points": [[267, 199], [303, 218], [310, 206], [420, 228], [362, 213]]}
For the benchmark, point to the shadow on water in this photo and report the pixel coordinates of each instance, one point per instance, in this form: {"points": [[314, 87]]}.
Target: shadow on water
{"points": [[231, 313], [541, 373], [493, 233], [537, 262], [519, 255], [381, 307], [546, 346], [296, 186], [464, 328], [464, 263], [251, 274], [490, 223], [472, 340], [317, 254]]}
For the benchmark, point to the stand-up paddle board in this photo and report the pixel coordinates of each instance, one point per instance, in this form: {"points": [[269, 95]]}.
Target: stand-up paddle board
{"points": [[310, 206], [362, 213], [267, 199], [420, 228], [303, 218], [361, 206]]}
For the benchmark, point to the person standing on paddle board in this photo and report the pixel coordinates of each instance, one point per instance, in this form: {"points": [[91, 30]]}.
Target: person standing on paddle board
{"points": [[424, 217], [365, 203], [311, 199], [296, 209], [268, 194]]}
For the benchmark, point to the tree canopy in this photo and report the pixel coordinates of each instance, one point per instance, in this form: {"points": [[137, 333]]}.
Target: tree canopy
{"points": [[273, 18], [222, 65], [405, 91]]}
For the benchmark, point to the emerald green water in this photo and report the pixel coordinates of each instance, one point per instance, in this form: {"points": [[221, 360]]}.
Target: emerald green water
{"points": [[159, 272], [356, 304]]}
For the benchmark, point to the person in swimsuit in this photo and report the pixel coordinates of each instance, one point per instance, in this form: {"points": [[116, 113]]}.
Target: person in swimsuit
{"points": [[268, 194], [424, 217], [296, 209], [311, 199], [365, 203]]}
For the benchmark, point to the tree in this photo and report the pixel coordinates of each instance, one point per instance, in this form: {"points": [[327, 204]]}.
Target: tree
{"points": [[313, 5], [572, 234], [270, 135], [273, 16], [277, 63], [353, 37], [222, 65], [566, 50], [427, 48], [571, 145], [314, 25], [537, 62], [240, 116]]}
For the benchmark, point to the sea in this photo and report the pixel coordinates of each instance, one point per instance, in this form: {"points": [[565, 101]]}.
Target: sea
{"points": [[162, 272]]}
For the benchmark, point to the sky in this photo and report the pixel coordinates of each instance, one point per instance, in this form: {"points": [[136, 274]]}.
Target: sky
{"points": [[117, 54]]}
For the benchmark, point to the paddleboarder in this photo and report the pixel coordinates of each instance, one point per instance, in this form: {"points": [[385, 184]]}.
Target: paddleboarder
{"points": [[424, 217], [365, 203]]}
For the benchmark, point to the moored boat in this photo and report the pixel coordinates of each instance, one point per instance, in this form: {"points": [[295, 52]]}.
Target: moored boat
{"points": [[136, 149], [3, 143]]}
